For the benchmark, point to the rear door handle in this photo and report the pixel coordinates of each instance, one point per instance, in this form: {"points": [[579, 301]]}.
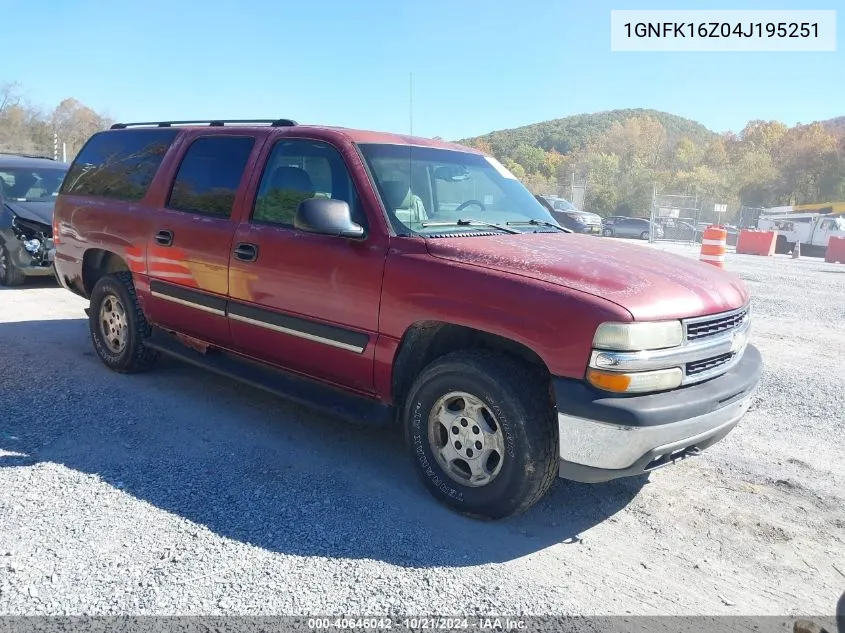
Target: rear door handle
{"points": [[246, 252], [164, 237]]}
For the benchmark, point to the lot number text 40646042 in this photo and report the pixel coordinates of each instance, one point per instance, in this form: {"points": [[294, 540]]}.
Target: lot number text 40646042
{"points": [[418, 623]]}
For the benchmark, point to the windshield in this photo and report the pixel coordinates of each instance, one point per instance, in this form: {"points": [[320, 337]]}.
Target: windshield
{"points": [[25, 184], [421, 186], [565, 205]]}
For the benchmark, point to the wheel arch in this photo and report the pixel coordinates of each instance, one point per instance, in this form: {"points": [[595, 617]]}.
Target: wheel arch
{"points": [[98, 262], [425, 341]]}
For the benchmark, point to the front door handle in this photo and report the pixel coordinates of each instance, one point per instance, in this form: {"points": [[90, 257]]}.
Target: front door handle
{"points": [[246, 252], [164, 237]]}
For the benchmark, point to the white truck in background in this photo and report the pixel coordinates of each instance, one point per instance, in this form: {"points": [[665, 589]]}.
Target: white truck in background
{"points": [[811, 230]]}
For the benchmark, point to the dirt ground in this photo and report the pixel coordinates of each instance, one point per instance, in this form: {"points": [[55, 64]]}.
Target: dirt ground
{"points": [[180, 492]]}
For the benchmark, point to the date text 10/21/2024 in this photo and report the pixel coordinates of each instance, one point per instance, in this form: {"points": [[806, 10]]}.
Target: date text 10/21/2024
{"points": [[417, 623]]}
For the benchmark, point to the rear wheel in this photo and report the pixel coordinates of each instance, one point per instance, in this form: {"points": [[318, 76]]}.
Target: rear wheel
{"points": [[607, 232], [118, 326], [482, 431], [9, 274], [644, 235]]}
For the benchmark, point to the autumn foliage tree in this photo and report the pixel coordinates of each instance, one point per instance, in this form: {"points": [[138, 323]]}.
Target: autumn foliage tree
{"points": [[26, 128], [624, 155]]}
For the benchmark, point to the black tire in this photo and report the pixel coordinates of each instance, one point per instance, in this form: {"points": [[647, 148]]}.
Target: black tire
{"points": [[644, 235], [607, 233], [519, 395], [134, 356], [9, 274]]}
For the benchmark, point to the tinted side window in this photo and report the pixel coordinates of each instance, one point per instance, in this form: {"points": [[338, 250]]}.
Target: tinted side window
{"points": [[210, 174], [297, 170], [118, 164]]}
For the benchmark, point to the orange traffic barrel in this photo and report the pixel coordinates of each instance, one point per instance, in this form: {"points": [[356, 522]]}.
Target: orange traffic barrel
{"points": [[713, 246]]}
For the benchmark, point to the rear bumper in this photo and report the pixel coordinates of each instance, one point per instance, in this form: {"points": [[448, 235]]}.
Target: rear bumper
{"points": [[604, 438]]}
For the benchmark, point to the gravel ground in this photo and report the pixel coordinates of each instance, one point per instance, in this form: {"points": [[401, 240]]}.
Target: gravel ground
{"points": [[178, 492]]}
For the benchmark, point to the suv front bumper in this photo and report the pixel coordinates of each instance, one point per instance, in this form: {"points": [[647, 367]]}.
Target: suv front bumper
{"points": [[605, 437]]}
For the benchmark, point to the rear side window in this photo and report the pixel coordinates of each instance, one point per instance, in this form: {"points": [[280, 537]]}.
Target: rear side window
{"points": [[119, 165], [210, 174]]}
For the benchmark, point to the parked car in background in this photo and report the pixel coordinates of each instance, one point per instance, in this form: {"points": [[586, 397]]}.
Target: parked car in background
{"points": [[612, 219], [28, 189], [632, 227], [732, 233], [679, 230], [570, 216], [428, 289]]}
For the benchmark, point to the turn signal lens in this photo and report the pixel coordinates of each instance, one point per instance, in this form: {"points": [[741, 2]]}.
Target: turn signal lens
{"points": [[609, 381], [636, 382]]}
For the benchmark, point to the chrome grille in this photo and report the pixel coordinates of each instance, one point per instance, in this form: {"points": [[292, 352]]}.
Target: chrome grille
{"points": [[708, 326], [700, 366]]}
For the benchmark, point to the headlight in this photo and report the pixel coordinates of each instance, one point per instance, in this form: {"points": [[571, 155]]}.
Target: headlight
{"points": [[632, 337]]}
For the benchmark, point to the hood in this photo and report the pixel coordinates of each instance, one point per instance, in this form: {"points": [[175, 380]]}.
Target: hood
{"points": [[36, 211], [649, 283]]}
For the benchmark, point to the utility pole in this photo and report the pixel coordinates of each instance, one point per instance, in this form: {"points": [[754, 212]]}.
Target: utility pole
{"points": [[55, 146]]}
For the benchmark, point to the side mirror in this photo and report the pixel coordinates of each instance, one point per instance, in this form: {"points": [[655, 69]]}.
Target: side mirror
{"points": [[327, 217]]}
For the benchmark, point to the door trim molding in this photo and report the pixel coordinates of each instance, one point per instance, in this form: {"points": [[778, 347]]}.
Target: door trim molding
{"points": [[188, 297], [308, 329]]}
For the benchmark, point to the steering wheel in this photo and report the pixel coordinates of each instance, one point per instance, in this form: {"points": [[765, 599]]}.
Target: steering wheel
{"points": [[464, 205]]}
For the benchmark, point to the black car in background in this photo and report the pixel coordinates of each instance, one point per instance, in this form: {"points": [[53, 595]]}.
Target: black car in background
{"points": [[568, 215], [28, 189]]}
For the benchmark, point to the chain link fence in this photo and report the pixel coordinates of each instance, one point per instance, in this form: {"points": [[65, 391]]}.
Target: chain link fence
{"points": [[578, 194], [684, 217], [674, 217], [748, 217]]}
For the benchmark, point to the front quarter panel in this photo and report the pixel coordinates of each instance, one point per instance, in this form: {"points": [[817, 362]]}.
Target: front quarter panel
{"points": [[554, 322]]}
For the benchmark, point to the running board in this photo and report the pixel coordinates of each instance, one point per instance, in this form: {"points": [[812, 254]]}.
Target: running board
{"points": [[309, 393]]}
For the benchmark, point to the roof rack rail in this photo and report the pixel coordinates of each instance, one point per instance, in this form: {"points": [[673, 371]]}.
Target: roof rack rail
{"points": [[209, 122], [25, 155]]}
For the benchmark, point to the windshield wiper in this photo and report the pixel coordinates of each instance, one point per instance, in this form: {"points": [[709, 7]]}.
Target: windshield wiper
{"points": [[472, 223], [540, 223]]}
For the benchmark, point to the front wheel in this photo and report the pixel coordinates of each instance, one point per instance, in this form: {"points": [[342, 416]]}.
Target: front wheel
{"points": [[9, 274], [644, 235], [607, 233], [483, 434]]}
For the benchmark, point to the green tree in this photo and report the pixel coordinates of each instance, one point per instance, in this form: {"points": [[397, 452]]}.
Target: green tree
{"points": [[515, 168], [531, 158]]}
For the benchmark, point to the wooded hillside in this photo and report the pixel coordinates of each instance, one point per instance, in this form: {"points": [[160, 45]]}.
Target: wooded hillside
{"points": [[624, 154]]}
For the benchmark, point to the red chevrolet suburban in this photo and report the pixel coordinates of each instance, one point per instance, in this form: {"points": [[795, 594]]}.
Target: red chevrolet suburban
{"points": [[399, 280]]}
